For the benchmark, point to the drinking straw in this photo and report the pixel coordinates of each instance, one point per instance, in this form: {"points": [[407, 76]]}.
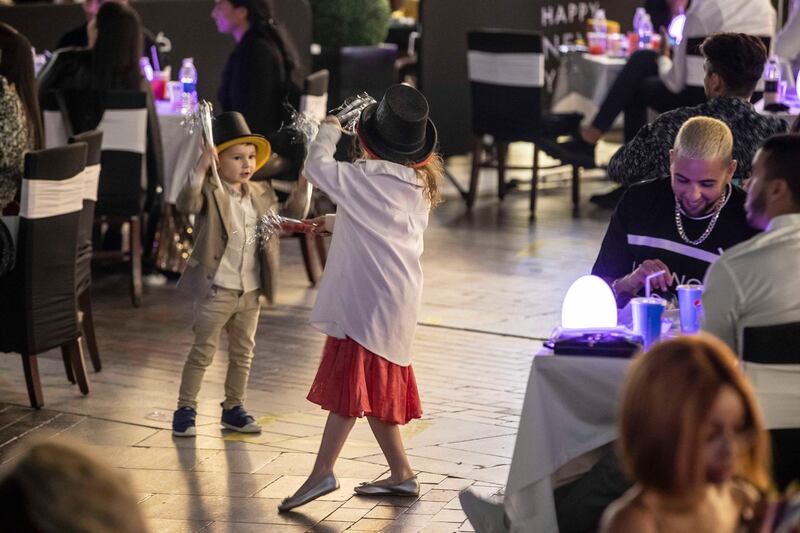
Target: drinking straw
{"points": [[647, 282], [154, 53]]}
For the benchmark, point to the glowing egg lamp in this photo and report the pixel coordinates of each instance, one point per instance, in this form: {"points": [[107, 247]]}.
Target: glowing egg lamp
{"points": [[589, 304]]}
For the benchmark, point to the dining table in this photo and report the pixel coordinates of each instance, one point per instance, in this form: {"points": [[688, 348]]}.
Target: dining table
{"points": [[583, 81], [569, 414], [180, 145]]}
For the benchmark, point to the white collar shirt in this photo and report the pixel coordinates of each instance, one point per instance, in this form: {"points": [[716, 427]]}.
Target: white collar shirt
{"points": [[239, 266], [372, 284], [755, 283]]}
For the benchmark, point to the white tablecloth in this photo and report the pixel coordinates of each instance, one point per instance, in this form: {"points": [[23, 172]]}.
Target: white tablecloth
{"points": [[181, 150], [789, 115], [570, 409], [583, 82]]}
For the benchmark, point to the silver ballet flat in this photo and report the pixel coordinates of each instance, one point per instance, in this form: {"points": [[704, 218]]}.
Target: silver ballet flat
{"points": [[328, 484], [409, 487]]}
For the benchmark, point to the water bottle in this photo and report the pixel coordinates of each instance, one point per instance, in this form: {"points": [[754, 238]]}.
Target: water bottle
{"points": [[637, 18], [146, 68], [772, 78], [645, 32], [188, 77]]}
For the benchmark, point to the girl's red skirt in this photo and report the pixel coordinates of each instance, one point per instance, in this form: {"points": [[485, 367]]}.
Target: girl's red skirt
{"points": [[352, 381]]}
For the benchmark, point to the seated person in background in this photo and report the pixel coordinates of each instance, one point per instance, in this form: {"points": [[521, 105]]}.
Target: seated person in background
{"points": [[681, 225], [734, 65], [754, 283], [79, 36], [653, 80], [56, 486], [691, 437], [787, 42]]}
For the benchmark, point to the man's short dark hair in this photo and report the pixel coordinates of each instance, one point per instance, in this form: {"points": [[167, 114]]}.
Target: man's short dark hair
{"points": [[781, 156], [737, 58]]}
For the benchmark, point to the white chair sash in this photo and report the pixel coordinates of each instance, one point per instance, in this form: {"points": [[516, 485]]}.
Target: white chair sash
{"points": [[91, 178], [55, 132], [124, 130], [315, 107], [46, 198], [515, 70]]}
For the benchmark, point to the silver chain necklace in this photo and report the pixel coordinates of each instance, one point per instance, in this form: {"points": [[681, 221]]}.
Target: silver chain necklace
{"points": [[711, 224]]}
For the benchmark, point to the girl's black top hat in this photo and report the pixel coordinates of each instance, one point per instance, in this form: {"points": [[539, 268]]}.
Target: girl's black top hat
{"points": [[397, 128]]}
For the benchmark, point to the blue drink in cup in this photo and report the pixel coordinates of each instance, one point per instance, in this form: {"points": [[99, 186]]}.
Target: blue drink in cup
{"points": [[690, 307], [647, 318]]}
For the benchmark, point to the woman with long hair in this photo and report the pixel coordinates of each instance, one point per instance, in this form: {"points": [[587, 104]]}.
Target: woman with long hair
{"points": [[691, 438], [20, 121]]}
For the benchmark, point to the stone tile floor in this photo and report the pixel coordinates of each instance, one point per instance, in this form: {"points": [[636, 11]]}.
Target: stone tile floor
{"points": [[492, 293]]}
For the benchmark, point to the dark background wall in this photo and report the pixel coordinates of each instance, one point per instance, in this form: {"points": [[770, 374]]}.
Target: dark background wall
{"points": [[187, 23]]}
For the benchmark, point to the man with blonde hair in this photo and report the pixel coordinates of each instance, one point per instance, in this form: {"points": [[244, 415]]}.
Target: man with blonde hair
{"points": [[677, 226]]}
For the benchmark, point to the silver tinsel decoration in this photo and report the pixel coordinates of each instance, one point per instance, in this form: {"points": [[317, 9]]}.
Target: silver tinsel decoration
{"points": [[304, 128], [271, 224]]}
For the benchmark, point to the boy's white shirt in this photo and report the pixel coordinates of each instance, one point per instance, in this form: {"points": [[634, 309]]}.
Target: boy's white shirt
{"points": [[239, 267], [372, 285]]}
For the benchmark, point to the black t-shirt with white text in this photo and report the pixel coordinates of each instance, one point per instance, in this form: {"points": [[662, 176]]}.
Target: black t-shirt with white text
{"points": [[643, 227]]}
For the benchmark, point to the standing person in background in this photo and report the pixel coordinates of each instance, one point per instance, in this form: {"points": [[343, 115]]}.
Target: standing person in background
{"points": [[20, 121], [262, 73]]}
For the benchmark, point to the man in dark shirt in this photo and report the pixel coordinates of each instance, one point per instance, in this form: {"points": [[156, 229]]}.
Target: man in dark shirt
{"points": [[734, 63], [681, 225]]}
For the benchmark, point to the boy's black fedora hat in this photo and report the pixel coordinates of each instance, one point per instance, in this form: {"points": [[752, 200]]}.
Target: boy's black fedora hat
{"points": [[398, 128], [231, 128]]}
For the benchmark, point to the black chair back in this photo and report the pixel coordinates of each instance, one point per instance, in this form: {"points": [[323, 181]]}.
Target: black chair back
{"points": [[39, 300], [91, 176], [506, 74], [774, 345]]}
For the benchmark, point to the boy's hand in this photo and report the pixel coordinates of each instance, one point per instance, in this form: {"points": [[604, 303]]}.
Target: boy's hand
{"points": [[207, 155]]}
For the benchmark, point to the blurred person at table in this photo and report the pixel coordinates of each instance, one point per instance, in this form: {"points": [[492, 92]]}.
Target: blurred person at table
{"points": [[83, 35], [20, 122], [787, 42], [113, 64], [692, 439], [754, 283], [658, 80], [678, 226], [57, 485], [262, 73], [734, 63]]}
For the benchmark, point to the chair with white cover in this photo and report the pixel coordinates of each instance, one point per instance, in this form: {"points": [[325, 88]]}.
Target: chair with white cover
{"points": [[83, 273], [506, 74], [38, 309], [772, 361]]}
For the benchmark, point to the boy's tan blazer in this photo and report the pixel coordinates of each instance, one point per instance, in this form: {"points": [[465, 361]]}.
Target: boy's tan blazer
{"points": [[211, 206]]}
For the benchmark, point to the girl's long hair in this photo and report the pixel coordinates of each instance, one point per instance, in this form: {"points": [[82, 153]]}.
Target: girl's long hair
{"points": [[16, 65], [430, 174], [115, 57]]}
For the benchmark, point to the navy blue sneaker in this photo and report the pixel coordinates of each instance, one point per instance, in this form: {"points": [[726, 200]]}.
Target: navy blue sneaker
{"points": [[237, 419], [183, 422]]}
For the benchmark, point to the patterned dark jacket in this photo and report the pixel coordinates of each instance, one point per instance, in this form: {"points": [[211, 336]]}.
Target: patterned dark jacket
{"points": [[647, 155]]}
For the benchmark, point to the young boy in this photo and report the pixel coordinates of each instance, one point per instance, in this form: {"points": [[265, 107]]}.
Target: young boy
{"points": [[229, 269]]}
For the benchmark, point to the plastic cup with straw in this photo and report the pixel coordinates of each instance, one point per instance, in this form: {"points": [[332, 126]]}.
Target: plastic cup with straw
{"points": [[647, 313]]}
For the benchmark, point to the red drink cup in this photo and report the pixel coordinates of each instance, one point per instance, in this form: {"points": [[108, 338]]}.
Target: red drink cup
{"points": [[159, 89]]}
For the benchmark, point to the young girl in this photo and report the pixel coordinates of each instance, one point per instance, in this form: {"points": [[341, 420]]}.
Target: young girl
{"points": [[692, 440], [229, 270], [370, 292]]}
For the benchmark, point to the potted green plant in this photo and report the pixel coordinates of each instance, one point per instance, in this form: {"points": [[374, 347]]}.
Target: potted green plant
{"points": [[349, 35]]}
